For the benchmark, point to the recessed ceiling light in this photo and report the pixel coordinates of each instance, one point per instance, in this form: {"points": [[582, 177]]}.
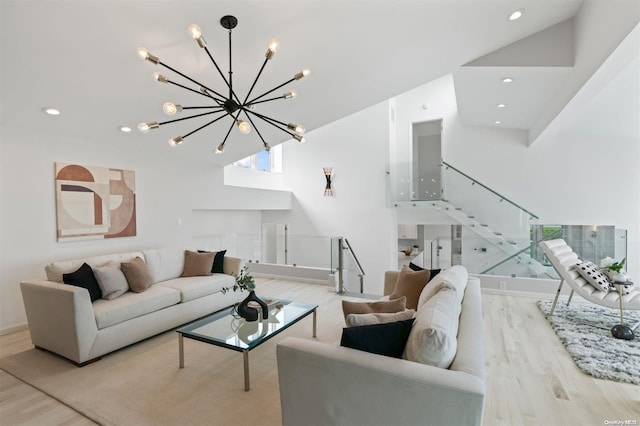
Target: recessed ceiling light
{"points": [[124, 129], [516, 15], [507, 80], [50, 111], [501, 106], [498, 122]]}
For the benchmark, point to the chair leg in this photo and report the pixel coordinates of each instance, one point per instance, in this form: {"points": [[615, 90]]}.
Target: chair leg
{"points": [[570, 296], [553, 307]]}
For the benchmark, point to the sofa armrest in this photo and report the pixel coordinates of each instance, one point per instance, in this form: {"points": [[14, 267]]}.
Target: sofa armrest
{"points": [[231, 265], [327, 384], [60, 317]]}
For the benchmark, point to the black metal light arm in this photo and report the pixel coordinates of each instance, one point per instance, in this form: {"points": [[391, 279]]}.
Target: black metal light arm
{"points": [[269, 100], [270, 91], [202, 127], [189, 78], [221, 73], [218, 101], [255, 80], [191, 116], [264, 143], [269, 120]]}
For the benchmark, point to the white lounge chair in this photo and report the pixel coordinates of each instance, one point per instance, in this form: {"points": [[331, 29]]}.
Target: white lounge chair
{"points": [[564, 259]]}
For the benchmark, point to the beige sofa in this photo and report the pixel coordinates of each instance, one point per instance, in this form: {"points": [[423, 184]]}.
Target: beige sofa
{"points": [[62, 319], [325, 384]]}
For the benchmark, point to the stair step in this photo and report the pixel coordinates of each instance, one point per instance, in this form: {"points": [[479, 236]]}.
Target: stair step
{"points": [[512, 243], [485, 225], [498, 233], [458, 208], [471, 217]]}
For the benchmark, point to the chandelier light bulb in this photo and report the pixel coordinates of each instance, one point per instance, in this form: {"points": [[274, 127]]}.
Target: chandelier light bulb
{"points": [[290, 95], [175, 141], [194, 31], [267, 147], [296, 127], [145, 55], [273, 48], [299, 138], [159, 77], [304, 73], [145, 127], [244, 127], [220, 149], [170, 108]]}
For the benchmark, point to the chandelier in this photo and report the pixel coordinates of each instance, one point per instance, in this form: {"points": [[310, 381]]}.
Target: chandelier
{"points": [[219, 105]]}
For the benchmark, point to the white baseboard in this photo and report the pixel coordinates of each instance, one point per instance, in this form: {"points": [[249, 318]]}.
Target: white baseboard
{"points": [[13, 329], [290, 278]]}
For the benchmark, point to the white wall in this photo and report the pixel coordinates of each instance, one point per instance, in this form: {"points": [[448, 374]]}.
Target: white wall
{"points": [[357, 149], [166, 194]]}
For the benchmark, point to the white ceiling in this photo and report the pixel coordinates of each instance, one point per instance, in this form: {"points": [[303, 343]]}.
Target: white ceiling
{"points": [[80, 56]]}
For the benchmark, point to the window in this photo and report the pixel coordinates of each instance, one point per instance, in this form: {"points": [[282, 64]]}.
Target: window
{"points": [[266, 161]]}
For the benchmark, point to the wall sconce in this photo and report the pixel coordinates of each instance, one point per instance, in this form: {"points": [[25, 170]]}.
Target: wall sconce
{"points": [[328, 172]]}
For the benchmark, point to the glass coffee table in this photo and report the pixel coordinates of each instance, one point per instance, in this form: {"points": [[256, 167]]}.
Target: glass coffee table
{"points": [[225, 330]]}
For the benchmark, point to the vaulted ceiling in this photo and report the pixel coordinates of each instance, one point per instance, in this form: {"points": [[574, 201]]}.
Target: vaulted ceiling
{"points": [[80, 56]]}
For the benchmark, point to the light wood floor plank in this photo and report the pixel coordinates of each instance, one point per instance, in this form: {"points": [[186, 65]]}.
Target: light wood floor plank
{"points": [[532, 380]]}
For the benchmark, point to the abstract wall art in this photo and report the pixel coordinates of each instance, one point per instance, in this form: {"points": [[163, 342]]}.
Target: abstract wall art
{"points": [[94, 202]]}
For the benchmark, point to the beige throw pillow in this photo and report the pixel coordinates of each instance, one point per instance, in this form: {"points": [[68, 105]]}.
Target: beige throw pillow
{"points": [[410, 284], [111, 280], [354, 320], [197, 264], [137, 274], [373, 307]]}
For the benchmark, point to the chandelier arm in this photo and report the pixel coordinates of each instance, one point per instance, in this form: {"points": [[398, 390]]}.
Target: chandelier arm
{"points": [[221, 73], [264, 117], [191, 116], [202, 127], [218, 101], [268, 100], [220, 108], [270, 91], [267, 119], [189, 78], [235, 119], [256, 127], [230, 71], [255, 80]]}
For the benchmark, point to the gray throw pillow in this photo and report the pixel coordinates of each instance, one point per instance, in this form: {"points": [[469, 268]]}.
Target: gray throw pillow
{"points": [[111, 281]]}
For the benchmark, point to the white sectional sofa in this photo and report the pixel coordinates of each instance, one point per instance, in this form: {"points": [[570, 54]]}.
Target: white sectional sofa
{"points": [[62, 319], [326, 384]]}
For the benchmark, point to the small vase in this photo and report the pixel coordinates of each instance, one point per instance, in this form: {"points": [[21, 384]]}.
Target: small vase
{"points": [[249, 313], [617, 277]]}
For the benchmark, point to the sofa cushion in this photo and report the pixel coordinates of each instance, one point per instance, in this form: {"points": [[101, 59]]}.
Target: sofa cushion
{"points": [[383, 339], [83, 277], [396, 305], [354, 320], [594, 276], [191, 288], [432, 272], [197, 264], [165, 263], [455, 278], [433, 338], [54, 270], [132, 305], [410, 284], [137, 274], [111, 280]]}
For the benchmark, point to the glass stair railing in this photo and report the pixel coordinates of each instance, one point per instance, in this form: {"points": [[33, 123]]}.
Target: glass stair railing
{"points": [[349, 274]]}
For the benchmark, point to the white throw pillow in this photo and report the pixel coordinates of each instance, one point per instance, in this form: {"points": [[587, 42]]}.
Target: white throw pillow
{"points": [[111, 280], [434, 336], [455, 278], [594, 276], [354, 320]]}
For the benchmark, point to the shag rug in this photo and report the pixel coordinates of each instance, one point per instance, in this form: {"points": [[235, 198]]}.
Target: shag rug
{"points": [[585, 331]]}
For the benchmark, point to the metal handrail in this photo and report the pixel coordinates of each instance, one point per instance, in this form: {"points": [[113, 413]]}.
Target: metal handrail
{"points": [[354, 257], [556, 234], [490, 190]]}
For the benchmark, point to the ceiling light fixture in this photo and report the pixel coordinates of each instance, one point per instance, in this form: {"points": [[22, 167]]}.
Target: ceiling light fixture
{"points": [[507, 80], [501, 105], [498, 122], [50, 111], [124, 129], [516, 15], [224, 105]]}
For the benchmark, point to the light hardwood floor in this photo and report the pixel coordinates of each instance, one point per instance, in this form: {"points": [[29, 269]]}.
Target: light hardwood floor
{"points": [[531, 378]]}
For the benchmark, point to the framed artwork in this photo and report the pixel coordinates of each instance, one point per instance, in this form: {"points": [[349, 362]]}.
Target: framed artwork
{"points": [[94, 202]]}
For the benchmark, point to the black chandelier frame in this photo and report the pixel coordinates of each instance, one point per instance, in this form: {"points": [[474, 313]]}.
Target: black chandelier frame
{"points": [[228, 106]]}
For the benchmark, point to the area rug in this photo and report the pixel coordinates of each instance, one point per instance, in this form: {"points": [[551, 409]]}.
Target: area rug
{"points": [[143, 384], [585, 331]]}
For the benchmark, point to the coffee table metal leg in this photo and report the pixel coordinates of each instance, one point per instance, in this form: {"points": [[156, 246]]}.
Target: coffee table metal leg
{"points": [[314, 322], [181, 349], [245, 355]]}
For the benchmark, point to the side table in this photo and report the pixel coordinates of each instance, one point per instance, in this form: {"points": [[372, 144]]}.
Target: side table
{"points": [[622, 331]]}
